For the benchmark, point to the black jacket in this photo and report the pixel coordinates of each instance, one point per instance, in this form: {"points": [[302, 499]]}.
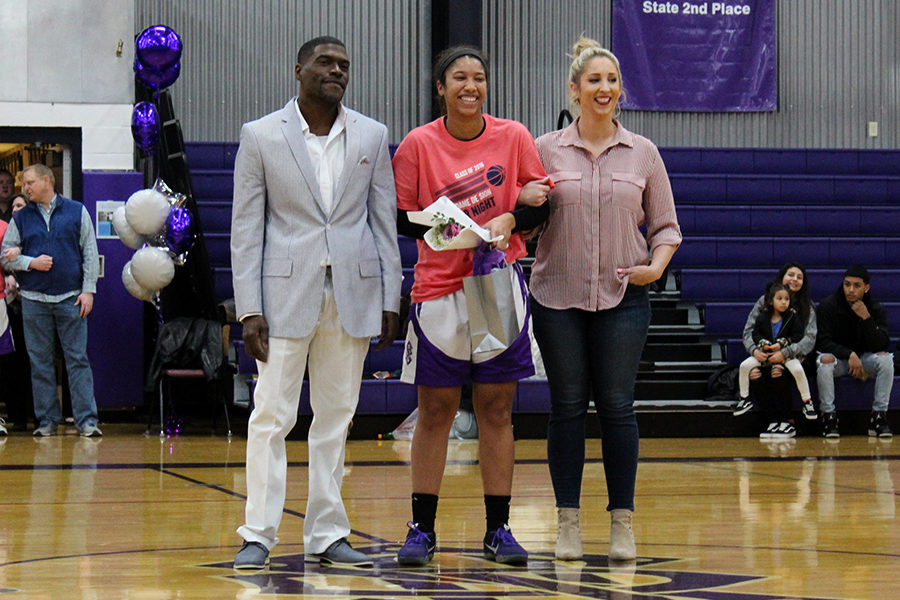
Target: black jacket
{"points": [[185, 343], [792, 328], [842, 332]]}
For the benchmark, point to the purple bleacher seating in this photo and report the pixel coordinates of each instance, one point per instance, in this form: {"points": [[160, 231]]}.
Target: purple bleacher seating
{"points": [[682, 160], [727, 160], [728, 318], [716, 220], [372, 397], [213, 184], [745, 251], [388, 359], [879, 220], [407, 283], [409, 251], [699, 188], [879, 162], [830, 162], [532, 396], [215, 215], [805, 189], [779, 161], [771, 220], [767, 219], [759, 251], [806, 251], [849, 189], [218, 246], [400, 397], [867, 251], [743, 189], [831, 220], [222, 283], [749, 284]]}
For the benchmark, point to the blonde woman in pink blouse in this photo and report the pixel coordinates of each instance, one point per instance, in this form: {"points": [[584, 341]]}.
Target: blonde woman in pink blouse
{"points": [[589, 295]]}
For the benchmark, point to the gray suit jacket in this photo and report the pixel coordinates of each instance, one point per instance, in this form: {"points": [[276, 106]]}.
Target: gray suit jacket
{"points": [[281, 235]]}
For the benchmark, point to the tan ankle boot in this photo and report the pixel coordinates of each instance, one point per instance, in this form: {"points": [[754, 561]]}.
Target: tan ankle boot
{"points": [[621, 537], [568, 540]]}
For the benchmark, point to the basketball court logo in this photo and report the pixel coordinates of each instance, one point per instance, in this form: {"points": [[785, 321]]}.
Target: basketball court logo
{"points": [[464, 573]]}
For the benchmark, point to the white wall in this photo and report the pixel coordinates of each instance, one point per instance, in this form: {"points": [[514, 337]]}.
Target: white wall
{"points": [[67, 73]]}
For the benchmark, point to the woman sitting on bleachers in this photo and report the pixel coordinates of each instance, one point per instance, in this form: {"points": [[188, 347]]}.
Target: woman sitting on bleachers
{"points": [[793, 275]]}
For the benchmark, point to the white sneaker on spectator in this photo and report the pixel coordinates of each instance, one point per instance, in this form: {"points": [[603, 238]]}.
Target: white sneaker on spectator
{"points": [[769, 431], [784, 431]]}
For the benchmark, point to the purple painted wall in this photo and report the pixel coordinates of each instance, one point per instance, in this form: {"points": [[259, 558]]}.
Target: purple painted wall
{"points": [[115, 327]]}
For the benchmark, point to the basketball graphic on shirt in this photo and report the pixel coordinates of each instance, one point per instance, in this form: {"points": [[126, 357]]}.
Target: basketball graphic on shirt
{"points": [[495, 175]]}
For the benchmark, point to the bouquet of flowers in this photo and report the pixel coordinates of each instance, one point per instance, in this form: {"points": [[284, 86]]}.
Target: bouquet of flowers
{"points": [[451, 228], [444, 231]]}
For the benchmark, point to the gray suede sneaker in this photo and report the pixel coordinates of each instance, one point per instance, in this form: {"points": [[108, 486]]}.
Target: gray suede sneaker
{"points": [[340, 553], [252, 555], [45, 430], [90, 431]]}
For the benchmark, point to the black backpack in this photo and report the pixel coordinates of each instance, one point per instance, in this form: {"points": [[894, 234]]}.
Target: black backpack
{"points": [[723, 384]]}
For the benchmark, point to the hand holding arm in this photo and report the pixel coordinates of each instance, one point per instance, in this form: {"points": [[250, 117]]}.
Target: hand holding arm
{"points": [[534, 193]]}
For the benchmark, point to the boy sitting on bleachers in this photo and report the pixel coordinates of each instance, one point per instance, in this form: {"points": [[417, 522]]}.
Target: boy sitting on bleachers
{"points": [[853, 340]]}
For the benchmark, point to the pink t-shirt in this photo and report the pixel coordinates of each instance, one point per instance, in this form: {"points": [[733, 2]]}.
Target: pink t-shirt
{"points": [[482, 177]]}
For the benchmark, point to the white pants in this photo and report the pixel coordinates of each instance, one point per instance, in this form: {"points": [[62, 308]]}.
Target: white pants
{"points": [[793, 365], [335, 373]]}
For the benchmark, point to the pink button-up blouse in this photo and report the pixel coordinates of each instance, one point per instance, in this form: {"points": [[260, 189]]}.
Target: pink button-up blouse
{"points": [[596, 210]]}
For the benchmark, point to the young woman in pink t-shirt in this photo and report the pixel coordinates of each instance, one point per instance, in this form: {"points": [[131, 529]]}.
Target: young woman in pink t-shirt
{"points": [[481, 163]]}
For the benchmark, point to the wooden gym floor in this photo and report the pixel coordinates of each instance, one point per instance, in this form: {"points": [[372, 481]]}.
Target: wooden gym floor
{"points": [[137, 517]]}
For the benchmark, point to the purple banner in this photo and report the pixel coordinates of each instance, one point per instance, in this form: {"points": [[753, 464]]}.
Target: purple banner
{"points": [[697, 56]]}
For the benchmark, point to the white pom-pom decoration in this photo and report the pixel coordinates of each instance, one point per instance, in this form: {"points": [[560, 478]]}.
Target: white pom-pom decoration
{"points": [[146, 211], [133, 287], [152, 268], [127, 235]]}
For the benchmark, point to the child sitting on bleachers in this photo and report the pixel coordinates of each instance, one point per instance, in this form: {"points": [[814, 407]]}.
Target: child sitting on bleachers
{"points": [[777, 326]]}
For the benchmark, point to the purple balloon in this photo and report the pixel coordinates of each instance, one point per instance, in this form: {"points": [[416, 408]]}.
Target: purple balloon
{"points": [[145, 126], [179, 230], [157, 47], [158, 80]]}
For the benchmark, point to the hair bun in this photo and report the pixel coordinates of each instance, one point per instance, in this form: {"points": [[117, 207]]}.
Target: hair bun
{"points": [[583, 44]]}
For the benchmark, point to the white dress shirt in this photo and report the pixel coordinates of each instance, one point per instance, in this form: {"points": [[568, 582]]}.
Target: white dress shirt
{"points": [[327, 154]]}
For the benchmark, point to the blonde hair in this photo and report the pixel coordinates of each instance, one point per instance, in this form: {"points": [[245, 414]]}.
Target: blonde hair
{"points": [[583, 51]]}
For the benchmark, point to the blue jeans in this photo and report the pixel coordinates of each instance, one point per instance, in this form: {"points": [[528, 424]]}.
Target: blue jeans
{"points": [[593, 354], [880, 365], [41, 319]]}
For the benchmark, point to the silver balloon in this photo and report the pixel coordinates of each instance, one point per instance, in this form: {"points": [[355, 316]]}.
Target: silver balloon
{"points": [[173, 198], [133, 287], [127, 235], [152, 267], [146, 211]]}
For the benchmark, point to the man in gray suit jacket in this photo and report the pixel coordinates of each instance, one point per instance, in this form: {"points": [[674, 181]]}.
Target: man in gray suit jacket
{"points": [[316, 275]]}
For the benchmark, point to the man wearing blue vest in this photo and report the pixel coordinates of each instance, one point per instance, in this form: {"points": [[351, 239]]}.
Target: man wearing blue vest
{"points": [[57, 260]]}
